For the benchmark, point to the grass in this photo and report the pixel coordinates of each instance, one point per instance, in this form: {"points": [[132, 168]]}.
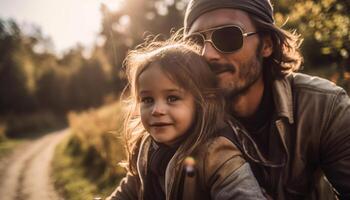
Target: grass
{"points": [[8, 145], [70, 176], [85, 164], [16, 128]]}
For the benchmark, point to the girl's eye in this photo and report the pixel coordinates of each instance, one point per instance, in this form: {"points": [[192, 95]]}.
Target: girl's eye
{"points": [[147, 100], [172, 98]]}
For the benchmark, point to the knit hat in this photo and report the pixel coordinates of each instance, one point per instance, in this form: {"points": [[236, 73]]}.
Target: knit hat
{"points": [[260, 8]]}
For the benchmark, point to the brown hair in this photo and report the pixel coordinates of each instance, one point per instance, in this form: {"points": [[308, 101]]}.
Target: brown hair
{"points": [[183, 65], [285, 57]]}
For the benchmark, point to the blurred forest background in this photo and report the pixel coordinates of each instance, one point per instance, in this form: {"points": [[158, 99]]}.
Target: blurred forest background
{"points": [[39, 89]]}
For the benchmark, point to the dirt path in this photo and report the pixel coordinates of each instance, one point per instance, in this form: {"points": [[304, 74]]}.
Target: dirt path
{"points": [[25, 174]]}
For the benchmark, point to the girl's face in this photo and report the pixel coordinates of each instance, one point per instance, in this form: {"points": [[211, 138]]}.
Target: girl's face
{"points": [[167, 111]]}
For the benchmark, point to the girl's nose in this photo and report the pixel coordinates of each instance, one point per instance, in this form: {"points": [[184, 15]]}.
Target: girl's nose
{"points": [[158, 109]]}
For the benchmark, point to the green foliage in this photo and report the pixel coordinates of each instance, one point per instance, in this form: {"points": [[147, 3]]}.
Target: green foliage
{"points": [[100, 130], [32, 78], [3, 128], [69, 176], [8, 145], [327, 22], [92, 153], [26, 124], [15, 80], [325, 26]]}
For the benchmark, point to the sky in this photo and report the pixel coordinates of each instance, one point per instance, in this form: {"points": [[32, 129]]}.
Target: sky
{"points": [[66, 22]]}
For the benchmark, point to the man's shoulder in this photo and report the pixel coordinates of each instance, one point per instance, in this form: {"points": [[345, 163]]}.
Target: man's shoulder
{"points": [[306, 83]]}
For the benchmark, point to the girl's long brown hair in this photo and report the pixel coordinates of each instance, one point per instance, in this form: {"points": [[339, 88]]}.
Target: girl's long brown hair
{"points": [[182, 63]]}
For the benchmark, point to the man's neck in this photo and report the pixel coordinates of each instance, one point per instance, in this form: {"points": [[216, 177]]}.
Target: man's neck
{"points": [[246, 105]]}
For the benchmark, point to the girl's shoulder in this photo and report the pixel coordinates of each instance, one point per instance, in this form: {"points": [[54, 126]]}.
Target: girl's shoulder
{"points": [[223, 141], [218, 155], [219, 148], [216, 146]]}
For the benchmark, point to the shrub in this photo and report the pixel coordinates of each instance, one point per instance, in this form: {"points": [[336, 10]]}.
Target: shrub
{"points": [[95, 149], [19, 125]]}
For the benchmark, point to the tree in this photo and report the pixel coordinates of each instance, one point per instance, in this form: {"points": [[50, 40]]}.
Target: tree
{"points": [[16, 70], [325, 26], [128, 27]]}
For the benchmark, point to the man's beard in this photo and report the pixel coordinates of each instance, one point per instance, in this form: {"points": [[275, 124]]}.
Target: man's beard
{"points": [[249, 72]]}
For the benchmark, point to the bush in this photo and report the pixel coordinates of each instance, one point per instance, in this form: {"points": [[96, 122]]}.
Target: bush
{"points": [[93, 151], [2, 131], [19, 125], [99, 129], [69, 175]]}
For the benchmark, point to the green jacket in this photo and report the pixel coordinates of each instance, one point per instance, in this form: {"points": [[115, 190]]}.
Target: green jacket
{"points": [[310, 138], [220, 173]]}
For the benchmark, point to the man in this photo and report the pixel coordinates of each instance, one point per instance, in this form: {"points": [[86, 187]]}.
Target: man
{"points": [[299, 126]]}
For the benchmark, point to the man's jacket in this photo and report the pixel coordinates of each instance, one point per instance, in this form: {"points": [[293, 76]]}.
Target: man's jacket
{"points": [[220, 173], [309, 142]]}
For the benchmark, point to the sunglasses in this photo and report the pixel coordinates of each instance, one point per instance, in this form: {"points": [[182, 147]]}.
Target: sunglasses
{"points": [[225, 39]]}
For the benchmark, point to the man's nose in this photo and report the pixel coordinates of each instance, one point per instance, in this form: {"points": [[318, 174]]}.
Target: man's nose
{"points": [[158, 109], [209, 52]]}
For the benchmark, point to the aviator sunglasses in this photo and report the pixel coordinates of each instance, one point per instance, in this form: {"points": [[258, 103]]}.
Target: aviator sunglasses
{"points": [[225, 39]]}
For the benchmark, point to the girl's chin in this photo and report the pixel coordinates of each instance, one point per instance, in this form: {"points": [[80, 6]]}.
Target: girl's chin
{"points": [[163, 141]]}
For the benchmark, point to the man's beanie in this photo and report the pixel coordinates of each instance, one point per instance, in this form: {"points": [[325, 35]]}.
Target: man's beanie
{"points": [[261, 8]]}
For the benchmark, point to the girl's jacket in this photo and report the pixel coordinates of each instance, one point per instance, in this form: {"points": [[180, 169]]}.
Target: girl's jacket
{"points": [[220, 173]]}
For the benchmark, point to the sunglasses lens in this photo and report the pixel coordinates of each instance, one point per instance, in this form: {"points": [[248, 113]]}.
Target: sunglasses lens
{"points": [[197, 39], [228, 39]]}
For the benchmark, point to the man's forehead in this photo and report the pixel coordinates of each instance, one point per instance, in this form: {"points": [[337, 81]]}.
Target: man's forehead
{"points": [[220, 17]]}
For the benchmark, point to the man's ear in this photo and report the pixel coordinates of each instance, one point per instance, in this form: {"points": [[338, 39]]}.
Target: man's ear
{"points": [[267, 47]]}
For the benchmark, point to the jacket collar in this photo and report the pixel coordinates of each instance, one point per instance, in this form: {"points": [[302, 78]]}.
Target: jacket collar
{"points": [[283, 99], [142, 160], [282, 96], [170, 180]]}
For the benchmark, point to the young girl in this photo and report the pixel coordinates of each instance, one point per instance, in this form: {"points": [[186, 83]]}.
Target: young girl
{"points": [[173, 140]]}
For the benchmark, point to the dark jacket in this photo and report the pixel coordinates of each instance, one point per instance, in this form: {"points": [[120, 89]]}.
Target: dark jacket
{"points": [[220, 173], [309, 138]]}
